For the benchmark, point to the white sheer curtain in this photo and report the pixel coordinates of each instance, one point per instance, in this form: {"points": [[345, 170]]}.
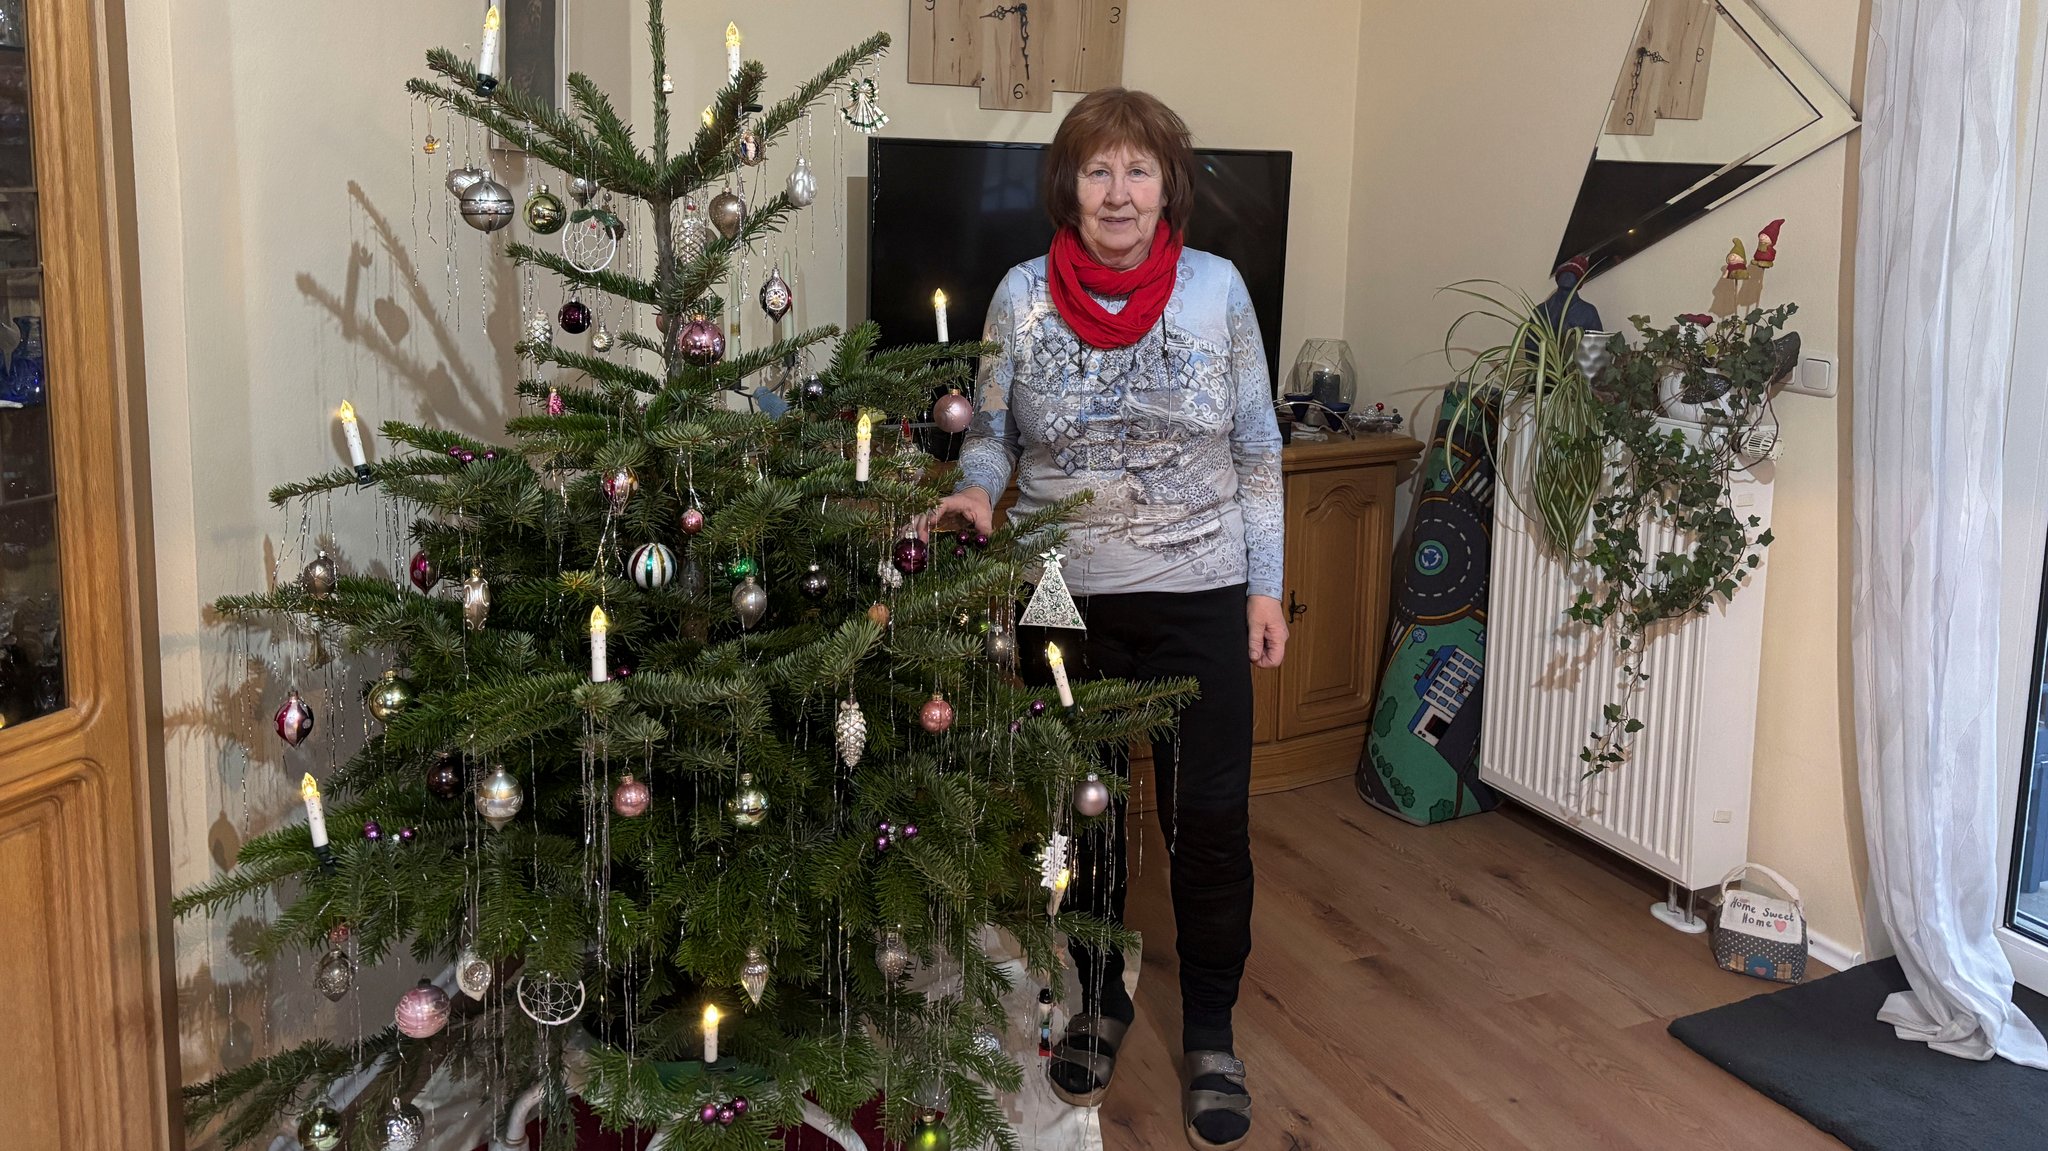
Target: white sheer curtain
{"points": [[1934, 327]]}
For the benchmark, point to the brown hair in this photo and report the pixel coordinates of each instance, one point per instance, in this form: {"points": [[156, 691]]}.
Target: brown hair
{"points": [[1105, 118]]}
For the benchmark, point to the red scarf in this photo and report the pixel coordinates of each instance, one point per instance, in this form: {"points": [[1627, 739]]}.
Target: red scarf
{"points": [[1073, 273]]}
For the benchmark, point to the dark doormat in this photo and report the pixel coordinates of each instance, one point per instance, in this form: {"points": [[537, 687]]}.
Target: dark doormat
{"points": [[1819, 1050]]}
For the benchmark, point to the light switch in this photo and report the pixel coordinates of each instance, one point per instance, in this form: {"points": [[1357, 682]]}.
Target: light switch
{"points": [[1723, 815], [1815, 376]]}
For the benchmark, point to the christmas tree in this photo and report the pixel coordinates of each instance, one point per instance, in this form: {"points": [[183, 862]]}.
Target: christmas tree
{"points": [[687, 747]]}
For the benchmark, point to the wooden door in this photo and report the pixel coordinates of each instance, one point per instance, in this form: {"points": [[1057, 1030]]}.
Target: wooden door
{"points": [[85, 1062], [1339, 522]]}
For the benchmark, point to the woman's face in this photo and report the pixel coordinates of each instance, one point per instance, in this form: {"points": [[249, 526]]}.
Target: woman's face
{"points": [[1120, 192]]}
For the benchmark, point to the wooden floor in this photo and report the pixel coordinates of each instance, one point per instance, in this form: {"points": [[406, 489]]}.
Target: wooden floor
{"points": [[1489, 984]]}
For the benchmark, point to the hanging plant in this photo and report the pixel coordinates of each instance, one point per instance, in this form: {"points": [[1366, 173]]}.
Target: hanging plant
{"points": [[1674, 418]]}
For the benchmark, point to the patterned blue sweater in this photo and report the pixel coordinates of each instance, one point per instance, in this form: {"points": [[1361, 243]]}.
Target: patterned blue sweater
{"points": [[1175, 435]]}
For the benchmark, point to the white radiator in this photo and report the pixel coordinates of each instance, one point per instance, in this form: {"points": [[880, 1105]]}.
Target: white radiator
{"points": [[1680, 805]]}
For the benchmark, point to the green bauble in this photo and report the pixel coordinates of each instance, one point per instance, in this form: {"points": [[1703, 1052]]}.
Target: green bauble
{"points": [[545, 213], [389, 696], [320, 1128], [931, 1135], [743, 567]]}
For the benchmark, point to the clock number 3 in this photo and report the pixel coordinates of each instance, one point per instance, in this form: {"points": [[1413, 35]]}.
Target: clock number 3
{"points": [[1116, 14]]}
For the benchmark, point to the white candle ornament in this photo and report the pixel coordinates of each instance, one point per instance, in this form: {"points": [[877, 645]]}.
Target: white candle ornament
{"points": [[732, 51], [316, 815], [863, 446], [711, 1033], [939, 308], [354, 436], [599, 625], [487, 55], [1059, 674]]}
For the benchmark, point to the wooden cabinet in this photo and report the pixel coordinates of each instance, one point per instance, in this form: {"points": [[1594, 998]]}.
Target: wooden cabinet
{"points": [[1309, 715]]}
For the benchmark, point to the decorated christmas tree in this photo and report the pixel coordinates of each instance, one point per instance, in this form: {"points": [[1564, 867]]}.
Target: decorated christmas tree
{"points": [[689, 756]]}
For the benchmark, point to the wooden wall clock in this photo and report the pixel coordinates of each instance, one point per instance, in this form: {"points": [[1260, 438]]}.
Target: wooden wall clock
{"points": [[1019, 53]]}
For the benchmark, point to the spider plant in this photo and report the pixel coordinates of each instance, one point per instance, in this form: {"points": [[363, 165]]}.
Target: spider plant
{"points": [[1532, 379]]}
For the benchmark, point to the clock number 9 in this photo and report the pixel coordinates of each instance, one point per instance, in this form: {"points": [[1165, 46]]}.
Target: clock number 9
{"points": [[1017, 93], [930, 4], [1116, 15]]}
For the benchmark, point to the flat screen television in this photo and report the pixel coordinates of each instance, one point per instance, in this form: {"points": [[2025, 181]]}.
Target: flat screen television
{"points": [[957, 214]]}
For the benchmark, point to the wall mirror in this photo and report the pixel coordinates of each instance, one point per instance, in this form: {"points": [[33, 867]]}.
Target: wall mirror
{"points": [[1709, 101]]}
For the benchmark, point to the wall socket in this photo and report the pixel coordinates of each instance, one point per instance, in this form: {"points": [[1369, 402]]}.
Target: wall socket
{"points": [[1815, 376]]}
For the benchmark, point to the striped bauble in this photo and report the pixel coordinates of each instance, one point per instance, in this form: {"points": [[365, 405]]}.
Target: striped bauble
{"points": [[652, 565]]}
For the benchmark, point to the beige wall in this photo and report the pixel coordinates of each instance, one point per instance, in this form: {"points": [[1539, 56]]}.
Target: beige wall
{"points": [[1467, 165]]}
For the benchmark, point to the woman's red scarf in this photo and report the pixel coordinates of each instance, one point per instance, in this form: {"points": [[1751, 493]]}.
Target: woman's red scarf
{"points": [[1073, 273]]}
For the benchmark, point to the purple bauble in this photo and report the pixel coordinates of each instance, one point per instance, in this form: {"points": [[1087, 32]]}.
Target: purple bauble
{"points": [[882, 842], [981, 539], [405, 834], [575, 317], [701, 343], [371, 831], [631, 797], [294, 719], [910, 831], [423, 1011], [740, 1105], [693, 522], [444, 778], [1038, 707], [911, 555], [726, 1115], [953, 412], [709, 1115], [959, 551], [425, 573]]}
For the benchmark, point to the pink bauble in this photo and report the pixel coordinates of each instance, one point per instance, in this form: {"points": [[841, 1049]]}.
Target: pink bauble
{"points": [[425, 574], [953, 412], [701, 342], [631, 797], [294, 720], [422, 1012], [693, 522], [936, 715]]}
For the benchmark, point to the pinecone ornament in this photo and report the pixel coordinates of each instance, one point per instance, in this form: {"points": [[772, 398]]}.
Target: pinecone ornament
{"points": [[851, 732]]}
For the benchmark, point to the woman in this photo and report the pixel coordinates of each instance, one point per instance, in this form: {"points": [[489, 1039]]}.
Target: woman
{"points": [[1133, 369]]}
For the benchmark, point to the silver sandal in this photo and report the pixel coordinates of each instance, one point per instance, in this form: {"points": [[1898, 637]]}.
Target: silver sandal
{"points": [[1099, 1065], [1230, 1069]]}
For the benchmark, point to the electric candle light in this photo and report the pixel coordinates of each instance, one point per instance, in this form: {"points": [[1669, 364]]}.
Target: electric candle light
{"points": [[863, 446], [354, 436], [316, 818], [599, 625], [711, 1033], [1059, 674], [939, 307], [732, 51], [487, 56]]}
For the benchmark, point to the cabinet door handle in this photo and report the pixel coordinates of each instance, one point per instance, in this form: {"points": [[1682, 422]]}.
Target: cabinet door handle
{"points": [[1295, 610]]}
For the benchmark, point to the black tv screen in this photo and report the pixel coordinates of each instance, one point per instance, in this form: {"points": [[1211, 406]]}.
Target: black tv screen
{"points": [[956, 215]]}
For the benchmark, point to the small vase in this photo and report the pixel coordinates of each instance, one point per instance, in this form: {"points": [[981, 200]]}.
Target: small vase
{"points": [[1697, 404], [24, 386]]}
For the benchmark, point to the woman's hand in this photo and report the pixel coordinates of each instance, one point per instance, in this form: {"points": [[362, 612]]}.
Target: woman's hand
{"points": [[1268, 627], [969, 506]]}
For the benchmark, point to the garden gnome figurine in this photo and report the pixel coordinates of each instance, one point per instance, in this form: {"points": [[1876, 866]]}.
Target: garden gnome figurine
{"points": [[1566, 308]]}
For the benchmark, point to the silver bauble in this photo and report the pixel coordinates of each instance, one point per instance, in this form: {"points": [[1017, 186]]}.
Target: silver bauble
{"points": [[776, 297], [601, 339], [692, 233], [728, 213], [540, 329], [1001, 644], [320, 1128], [460, 180], [1091, 796], [499, 797], [401, 1127], [488, 205], [850, 732], [318, 576], [583, 188], [473, 974], [988, 1042], [802, 188], [691, 579], [476, 600], [749, 807], [754, 976], [891, 578], [892, 956], [749, 602], [336, 975], [389, 696]]}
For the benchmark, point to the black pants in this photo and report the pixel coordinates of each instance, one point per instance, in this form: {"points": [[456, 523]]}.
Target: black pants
{"points": [[1203, 777]]}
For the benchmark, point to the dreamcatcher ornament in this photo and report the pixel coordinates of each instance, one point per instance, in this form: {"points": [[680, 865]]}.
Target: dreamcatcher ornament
{"points": [[861, 111], [549, 999], [589, 242]]}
